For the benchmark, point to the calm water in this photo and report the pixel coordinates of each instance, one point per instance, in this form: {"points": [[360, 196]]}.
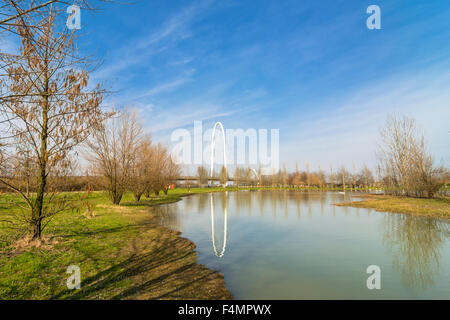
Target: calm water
{"points": [[293, 245]]}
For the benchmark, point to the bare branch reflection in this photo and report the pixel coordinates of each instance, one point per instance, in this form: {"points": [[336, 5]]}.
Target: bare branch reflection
{"points": [[416, 243]]}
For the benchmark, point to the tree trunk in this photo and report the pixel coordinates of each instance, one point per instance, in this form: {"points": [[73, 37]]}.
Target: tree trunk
{"points": [[37, 214], [117, 198]]}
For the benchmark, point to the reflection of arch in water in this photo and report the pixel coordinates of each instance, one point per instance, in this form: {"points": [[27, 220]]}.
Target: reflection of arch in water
{"points": [[225, 209], [213, 141]]}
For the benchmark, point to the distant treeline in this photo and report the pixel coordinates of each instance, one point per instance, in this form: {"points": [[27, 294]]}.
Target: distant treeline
{"points": [[404, 168]]}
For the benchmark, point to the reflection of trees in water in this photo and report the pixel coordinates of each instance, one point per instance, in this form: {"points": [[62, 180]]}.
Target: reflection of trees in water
{"points": [[190, 203], [323, 197], [345, 210], [250, 202], [285, 202], [167, 215], [202, 202], [223, 200], [273, 196], [243, 201], [298, 202], [309, 206], [238, 201], [333, 200], [261, 200], [416, 243]]}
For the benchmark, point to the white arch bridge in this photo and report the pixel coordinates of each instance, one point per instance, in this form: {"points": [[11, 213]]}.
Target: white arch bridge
{"points": [[213, 144]]}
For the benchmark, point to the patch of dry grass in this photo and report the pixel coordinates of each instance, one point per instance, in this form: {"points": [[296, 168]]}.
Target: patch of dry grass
{"points": [[437, 207]]}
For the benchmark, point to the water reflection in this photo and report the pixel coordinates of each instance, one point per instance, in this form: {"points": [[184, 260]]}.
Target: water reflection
{"points": [[169, 217], [202, 203], [417, 244], [225, 220], [323, 255]]}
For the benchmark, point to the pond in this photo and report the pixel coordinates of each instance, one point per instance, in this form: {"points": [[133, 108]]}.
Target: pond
{"points": [[298, 245]]}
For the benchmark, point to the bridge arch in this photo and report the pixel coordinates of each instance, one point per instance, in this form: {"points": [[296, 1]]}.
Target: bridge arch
{"points": [[218, 124]]}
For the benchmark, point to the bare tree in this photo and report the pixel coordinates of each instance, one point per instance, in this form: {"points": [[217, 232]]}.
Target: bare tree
{"points": [[308, 175], [20, 20], [171, 172], [321, 177], [260, 176], [354, 176], [202, 175], [157, 167], [296, 179], [140, 171], [366, 177], [163, 170], [113, 149], [343, 174], [284, 177], [223, 177], [240, 175], [46, 108], [331, 177], [405, 164]]}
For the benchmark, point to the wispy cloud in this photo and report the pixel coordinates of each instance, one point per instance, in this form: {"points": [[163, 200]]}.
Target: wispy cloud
{"points": [[181, 62], [139, 49], [164, 87], [350, 131], [165, 120], [177, 25]]}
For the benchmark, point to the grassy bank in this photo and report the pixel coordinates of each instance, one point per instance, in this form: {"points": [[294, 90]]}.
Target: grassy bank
{"points": [[438, 207], [123, 253]]}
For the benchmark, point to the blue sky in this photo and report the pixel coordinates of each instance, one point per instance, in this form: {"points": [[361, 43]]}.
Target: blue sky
{"points": [[309, 68]]}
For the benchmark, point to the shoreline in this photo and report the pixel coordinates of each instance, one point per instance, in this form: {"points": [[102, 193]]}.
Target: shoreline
{"points": [[123, 253], [194, 280], [215, 286], [434, 207]]}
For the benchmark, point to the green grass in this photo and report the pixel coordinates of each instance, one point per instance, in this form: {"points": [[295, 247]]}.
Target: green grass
{"points": [[123, 253], [436, 207]]}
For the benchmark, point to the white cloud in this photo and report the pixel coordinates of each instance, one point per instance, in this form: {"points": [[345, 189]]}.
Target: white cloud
{"points": [[139, 50], [350, 131], [184, 116], [165, 87]]}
